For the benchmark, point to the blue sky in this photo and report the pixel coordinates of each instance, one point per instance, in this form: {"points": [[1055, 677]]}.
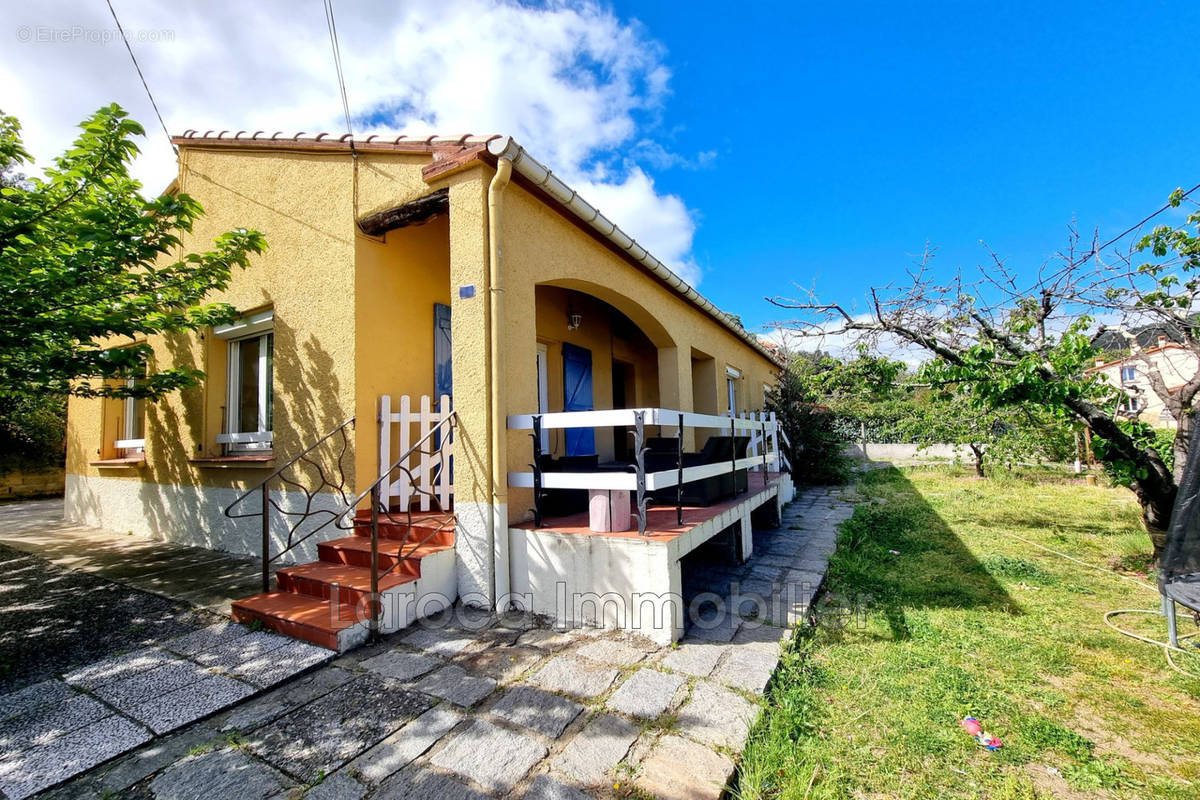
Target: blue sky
{"points": [[847, 134], [748, 146]]}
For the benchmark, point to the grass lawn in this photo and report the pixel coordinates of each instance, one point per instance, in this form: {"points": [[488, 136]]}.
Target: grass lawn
{"points": [[967, 620]]}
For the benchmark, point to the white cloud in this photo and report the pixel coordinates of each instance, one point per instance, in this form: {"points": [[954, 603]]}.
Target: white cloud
{"points": [[575, 84]]}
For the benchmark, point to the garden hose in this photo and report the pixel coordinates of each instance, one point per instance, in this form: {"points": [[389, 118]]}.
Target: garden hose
{"points": [[1166, 646]]}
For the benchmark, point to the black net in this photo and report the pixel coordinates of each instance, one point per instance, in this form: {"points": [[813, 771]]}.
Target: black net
{"points": [[1179, 572]]}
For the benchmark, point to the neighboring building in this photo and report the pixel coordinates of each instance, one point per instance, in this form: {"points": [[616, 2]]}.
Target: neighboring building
{"points": [[375, 246], [1177, 365]]}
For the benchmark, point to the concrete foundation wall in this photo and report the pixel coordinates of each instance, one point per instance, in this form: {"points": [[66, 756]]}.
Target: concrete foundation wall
{"points": [[193, 515], [910, 453]]}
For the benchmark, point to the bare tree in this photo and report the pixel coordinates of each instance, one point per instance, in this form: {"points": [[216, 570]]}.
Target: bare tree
{"points": [[1011, 341]]}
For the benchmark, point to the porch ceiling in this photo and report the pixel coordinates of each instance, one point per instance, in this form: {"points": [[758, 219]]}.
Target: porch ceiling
{"points": [[414, 212]]}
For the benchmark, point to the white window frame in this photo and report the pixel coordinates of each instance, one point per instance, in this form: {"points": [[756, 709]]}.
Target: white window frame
{"points": [[1132, 372], [127, 445], [250, 328], [732, 376]]}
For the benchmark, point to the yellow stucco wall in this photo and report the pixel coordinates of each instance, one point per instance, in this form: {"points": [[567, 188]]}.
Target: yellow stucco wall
{"points": [[399, 280], [354, 316]]}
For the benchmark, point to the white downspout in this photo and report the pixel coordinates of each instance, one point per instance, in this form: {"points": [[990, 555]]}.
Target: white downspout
{"points": [[498, 519]]}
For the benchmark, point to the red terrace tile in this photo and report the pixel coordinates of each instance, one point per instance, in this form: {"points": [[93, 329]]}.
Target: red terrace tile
{"points": [[661, 524]]}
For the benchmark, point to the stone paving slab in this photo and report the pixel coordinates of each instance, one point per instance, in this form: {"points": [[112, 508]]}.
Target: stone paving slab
{"points": [[545, 713], [747, 668], [678, 769], [453, 683], [596, 750], [190, 703], [280, 663], [647, 693], [611, 651], [439, 641], [493, 757], [502, 663], [582, 679], [115, 777], [276, 703], [220, 773], [37, 768], [338, 786], [41, 725], [34, 698], [137, 690], [118, 668], [546, 788], [205, 639], [717, 716], [331, 730], [695, 658], [232, 654], [424, 784], [400, 665], [399, 749]]}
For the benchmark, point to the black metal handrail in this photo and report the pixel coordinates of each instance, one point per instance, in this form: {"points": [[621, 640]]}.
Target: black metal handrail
{"points": [[348, 505], [378, 507], [338, 488]]}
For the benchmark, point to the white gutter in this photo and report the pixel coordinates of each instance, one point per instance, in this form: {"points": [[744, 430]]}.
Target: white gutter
{"points": [[539, 175]]}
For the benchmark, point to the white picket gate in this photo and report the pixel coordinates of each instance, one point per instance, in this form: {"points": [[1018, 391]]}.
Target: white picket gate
{"points": [[428, 465]]}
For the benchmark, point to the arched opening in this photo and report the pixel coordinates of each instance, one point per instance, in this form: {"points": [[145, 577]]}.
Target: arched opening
{"points": [[593, 354]]}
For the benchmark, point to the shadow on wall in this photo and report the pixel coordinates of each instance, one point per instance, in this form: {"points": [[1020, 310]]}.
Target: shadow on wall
{"points": [[307, 405], [900, 555]]}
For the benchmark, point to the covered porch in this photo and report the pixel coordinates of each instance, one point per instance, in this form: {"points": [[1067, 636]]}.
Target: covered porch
{"points": [[616, 562]]}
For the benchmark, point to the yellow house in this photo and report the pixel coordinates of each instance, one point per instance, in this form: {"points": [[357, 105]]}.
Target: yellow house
{"points": [[401, 269]]}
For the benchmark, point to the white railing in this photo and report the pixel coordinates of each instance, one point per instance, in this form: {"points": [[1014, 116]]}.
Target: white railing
{"points": [[763, 453], [429, 466]]}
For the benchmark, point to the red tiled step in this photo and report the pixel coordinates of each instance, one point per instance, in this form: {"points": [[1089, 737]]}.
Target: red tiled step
{"points": [[434, 527], [296, 615], [356, 551], [316, 579]]}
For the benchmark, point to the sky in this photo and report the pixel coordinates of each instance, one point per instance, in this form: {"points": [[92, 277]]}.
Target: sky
{"points": [[758, 149]]}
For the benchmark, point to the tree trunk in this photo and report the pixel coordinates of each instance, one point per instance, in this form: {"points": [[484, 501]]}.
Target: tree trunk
{"points": [[978, 451], [1155, 489], [1183, 441]]}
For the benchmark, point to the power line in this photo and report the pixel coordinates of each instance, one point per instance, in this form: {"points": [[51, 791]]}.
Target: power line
{"points": [[331, 24], [145, 85], [1096, 250]]}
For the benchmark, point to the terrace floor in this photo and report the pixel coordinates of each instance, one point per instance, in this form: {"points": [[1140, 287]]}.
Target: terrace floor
{"points": [[662, 523]]}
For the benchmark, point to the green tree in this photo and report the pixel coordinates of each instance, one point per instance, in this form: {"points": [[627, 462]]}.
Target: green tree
{"points": [[89, 268], [815, 393], [1005, 436]]}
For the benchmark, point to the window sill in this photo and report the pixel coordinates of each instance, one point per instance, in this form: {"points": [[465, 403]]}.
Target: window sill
{"points": [[130, 461], [264, 461]]}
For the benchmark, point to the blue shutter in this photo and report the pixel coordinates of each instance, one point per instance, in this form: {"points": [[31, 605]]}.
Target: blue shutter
{"points": [[443, 381], [577, 396]]}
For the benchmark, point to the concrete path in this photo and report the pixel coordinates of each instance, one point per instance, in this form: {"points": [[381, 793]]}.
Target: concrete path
{"points": [[203, 578], [471, 707]]}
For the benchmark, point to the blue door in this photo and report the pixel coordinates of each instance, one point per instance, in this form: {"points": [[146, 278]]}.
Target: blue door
{"points": [[577, 396]]}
